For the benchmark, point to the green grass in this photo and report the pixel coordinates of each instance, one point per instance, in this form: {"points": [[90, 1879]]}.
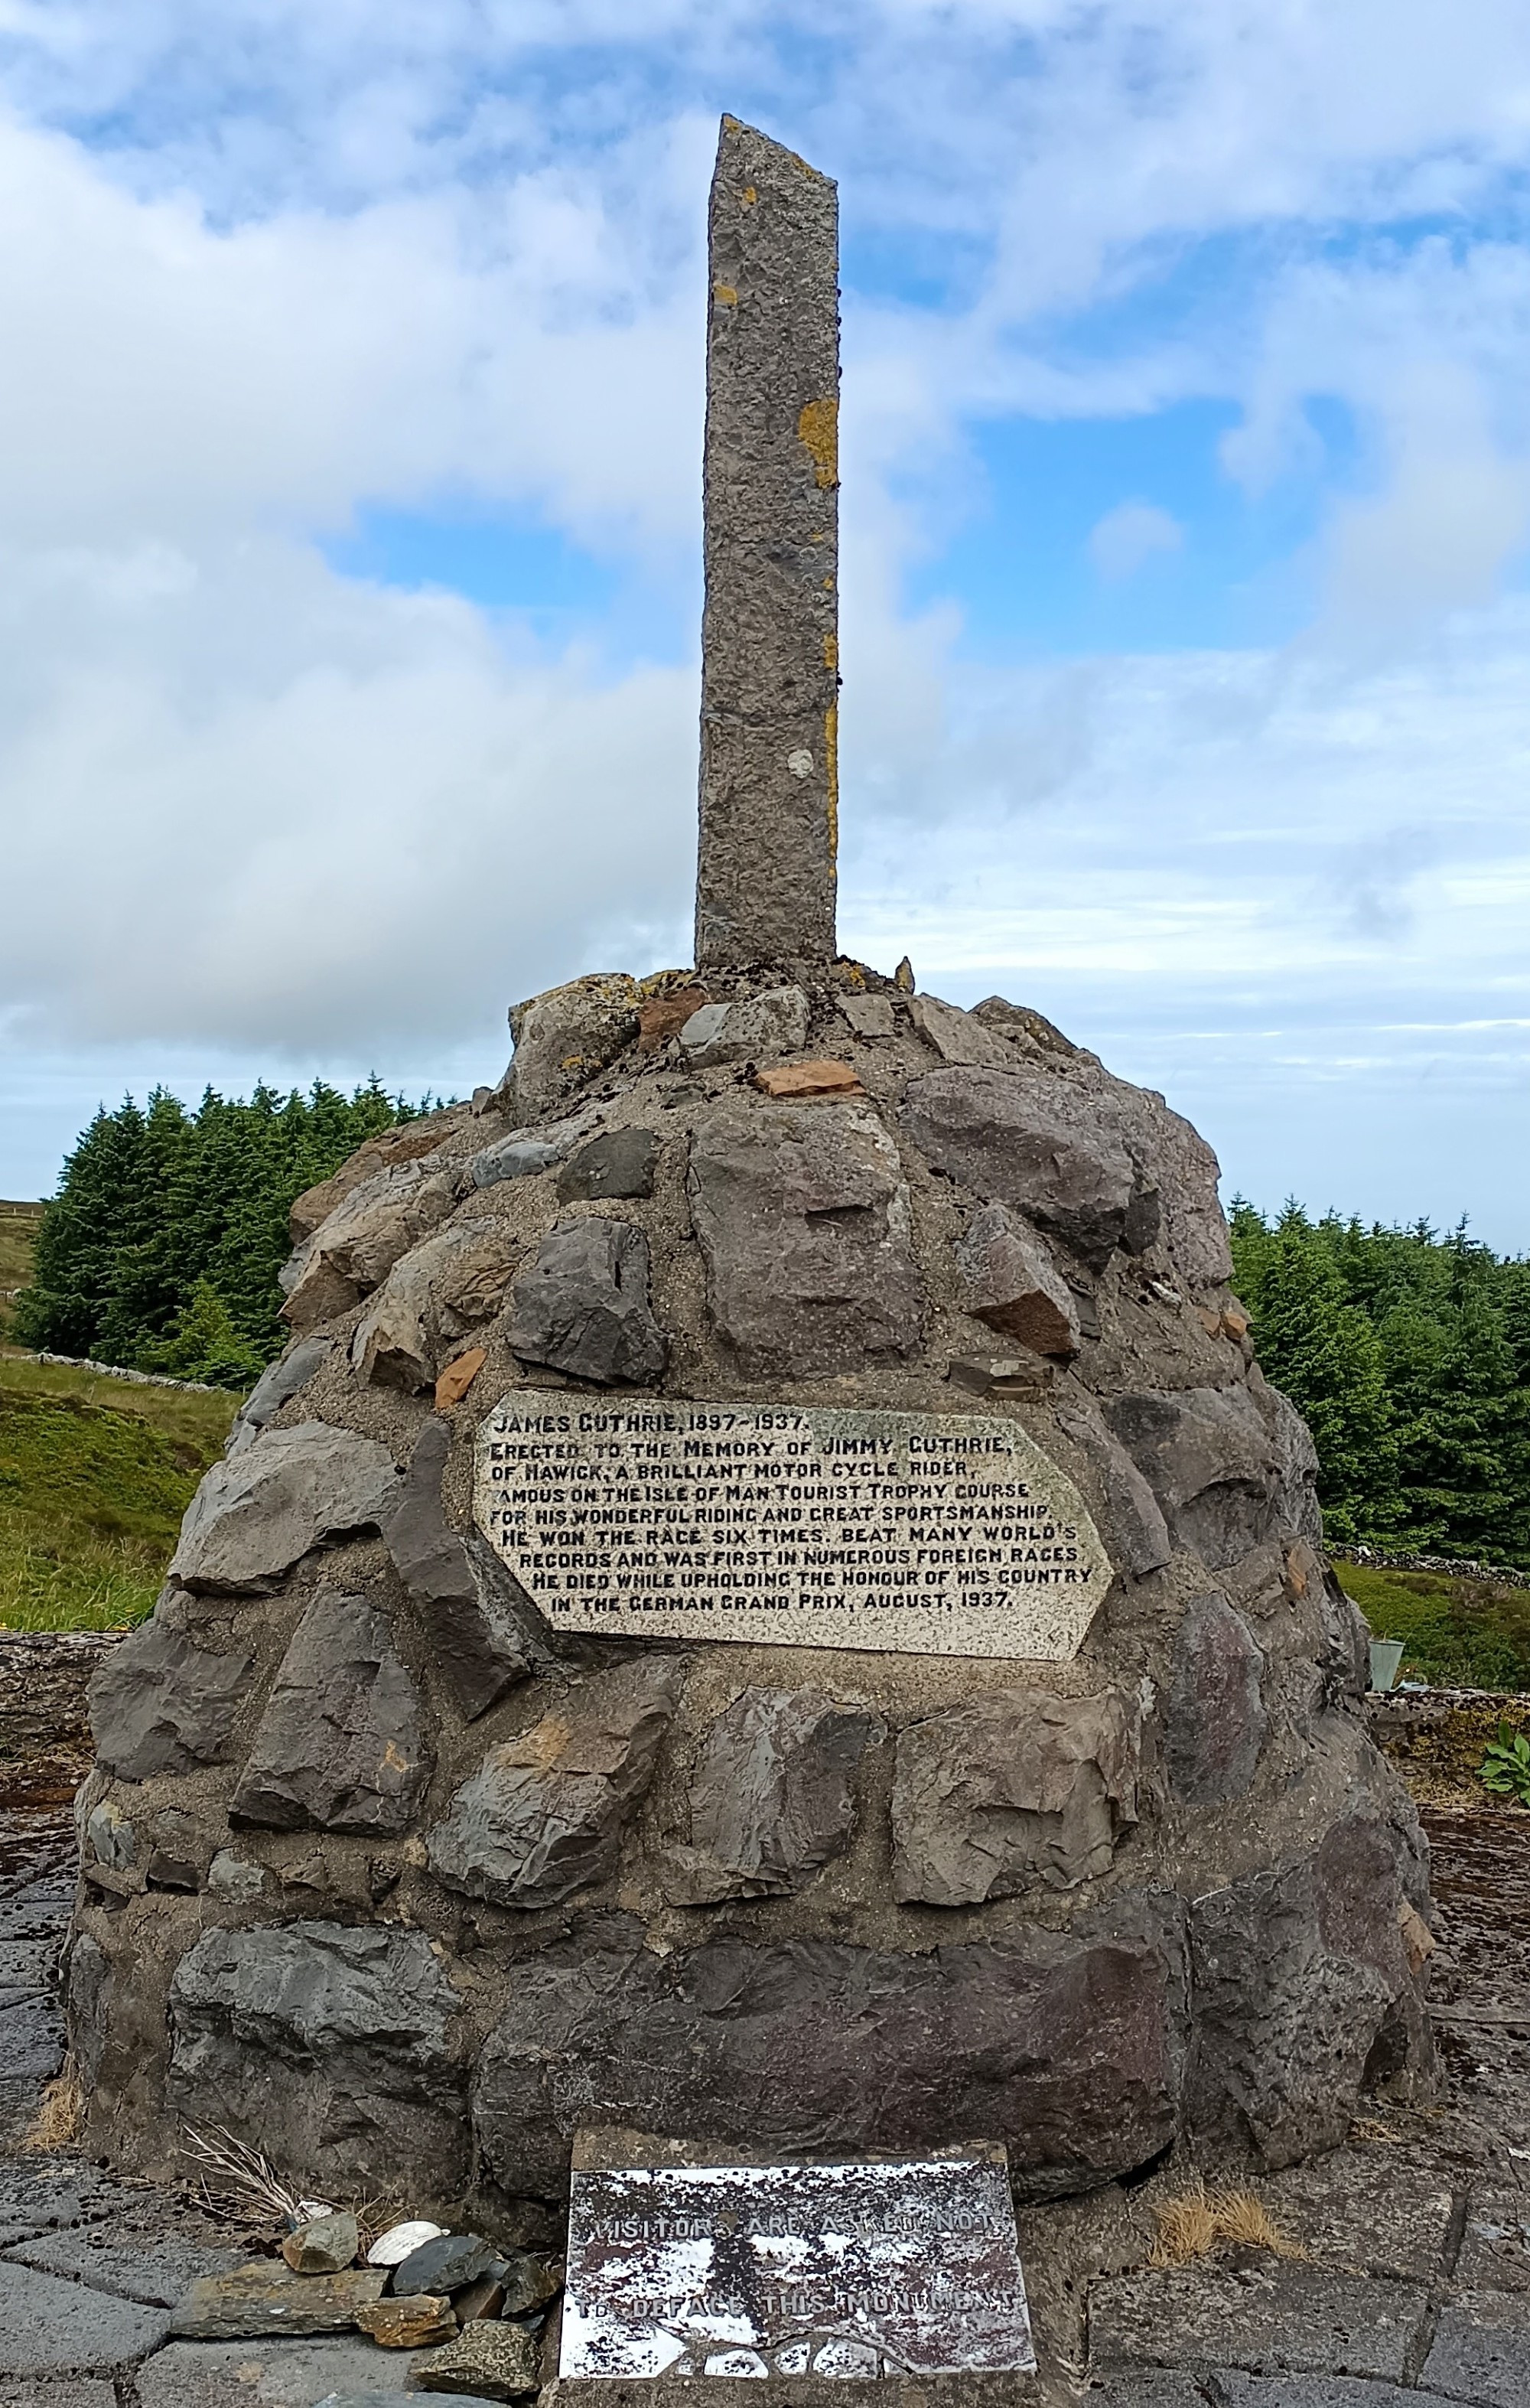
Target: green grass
{"points": [[18, 1238], [94, 1477], [1458, 1633]]}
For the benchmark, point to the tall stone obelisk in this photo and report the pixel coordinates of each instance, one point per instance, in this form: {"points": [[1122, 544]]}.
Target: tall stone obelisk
{"points": [[765, 873]]}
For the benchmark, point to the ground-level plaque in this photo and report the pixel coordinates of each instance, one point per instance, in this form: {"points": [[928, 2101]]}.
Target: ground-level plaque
{"points": [[868, 2269], [931, 1534]]}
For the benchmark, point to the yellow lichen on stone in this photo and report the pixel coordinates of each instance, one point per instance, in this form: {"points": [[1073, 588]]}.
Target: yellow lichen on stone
{"points": [[819, 429], [831, 777], [726, 295], [750, 196], [831, 652]]}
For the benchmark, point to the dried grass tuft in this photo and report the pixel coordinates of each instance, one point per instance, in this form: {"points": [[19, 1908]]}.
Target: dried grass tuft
{"points": [[232, 2174], [60, 2118], [1198, 2221]]}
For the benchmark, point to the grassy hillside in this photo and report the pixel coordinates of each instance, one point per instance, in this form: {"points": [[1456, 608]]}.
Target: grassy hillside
{"points": [[1459, 1633], [18, 1225], [95, 1476]]}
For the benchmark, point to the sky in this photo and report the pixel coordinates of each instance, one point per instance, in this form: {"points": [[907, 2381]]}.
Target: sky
{"points": [[350, 398]]}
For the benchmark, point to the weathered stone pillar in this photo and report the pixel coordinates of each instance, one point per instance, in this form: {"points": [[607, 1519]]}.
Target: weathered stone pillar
{"points": [[766, 875]]}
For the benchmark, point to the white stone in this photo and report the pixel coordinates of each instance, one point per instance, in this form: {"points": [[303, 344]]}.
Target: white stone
{"points": [[400, 2241]]}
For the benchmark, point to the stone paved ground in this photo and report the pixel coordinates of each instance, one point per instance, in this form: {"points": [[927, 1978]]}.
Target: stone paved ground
{"points": [[1414, 2286]]}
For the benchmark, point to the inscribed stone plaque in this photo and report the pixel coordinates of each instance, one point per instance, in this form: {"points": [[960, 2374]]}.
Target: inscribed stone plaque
{"points": [[868, 2270], [929, 1534]]}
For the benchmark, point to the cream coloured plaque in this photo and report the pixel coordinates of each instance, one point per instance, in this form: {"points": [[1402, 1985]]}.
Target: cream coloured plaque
{"points": [[930, 1534]]}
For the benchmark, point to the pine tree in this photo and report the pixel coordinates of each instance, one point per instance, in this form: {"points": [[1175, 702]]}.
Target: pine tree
{"points": [[161, 1247], [1324, 1355]]}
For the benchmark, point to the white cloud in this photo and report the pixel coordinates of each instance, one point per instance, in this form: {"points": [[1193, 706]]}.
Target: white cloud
{"points": [[271, 264], [1128, 537]]}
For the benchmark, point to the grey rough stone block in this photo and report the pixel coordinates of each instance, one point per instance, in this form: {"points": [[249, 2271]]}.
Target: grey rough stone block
{"points": [[234, 1877], [958, 1037], [1275, 2318], [563, 1036], [342, 1745], [1016, 1788], [1480, 2351], [1214, 1715], [477, 1649], [331, 2046], [870, 1016], [515, 1157], [584, 1306], [755, 1029], [1061, 2046], [280, 1381], [264, 2373], [765, 872], [430, 1300], [542, 1817], [803, 1219], [48, 2327], [1010, 1282], [264, 2296], [1023, 1138], [622, 1163], [258, 1513], [502, 2361], [1137, 1529], [355, 1247], [1298, 1970], [161, 1704], [771, 1796], [1210, 1460], [88, 1986]]}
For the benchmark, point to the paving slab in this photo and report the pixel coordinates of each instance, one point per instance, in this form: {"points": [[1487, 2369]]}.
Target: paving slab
{"points": [[1148, 2391], [47, 2326], [27, 1966], [1272, 2319], [1366, 2213], [156, 2272], [273, 2373], [1495, 2246], [1480, 2351], [31, 2040], [1314, 2391], [64, 2393]]}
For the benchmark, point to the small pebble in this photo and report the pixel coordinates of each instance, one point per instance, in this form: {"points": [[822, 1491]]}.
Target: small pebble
{"points": [[449, 2264], [324, 2246], [487, 2361], [409, 2323], [401, 2241]]}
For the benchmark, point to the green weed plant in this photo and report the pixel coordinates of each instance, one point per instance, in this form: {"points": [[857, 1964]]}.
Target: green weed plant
{"points": [[1505, 1769]]}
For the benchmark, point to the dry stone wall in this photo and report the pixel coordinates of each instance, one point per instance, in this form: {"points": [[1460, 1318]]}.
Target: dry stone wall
{"points": [[403, 1870]]}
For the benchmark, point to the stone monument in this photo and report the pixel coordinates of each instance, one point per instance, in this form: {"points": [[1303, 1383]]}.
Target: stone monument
{"points": [[767, 1602]]}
